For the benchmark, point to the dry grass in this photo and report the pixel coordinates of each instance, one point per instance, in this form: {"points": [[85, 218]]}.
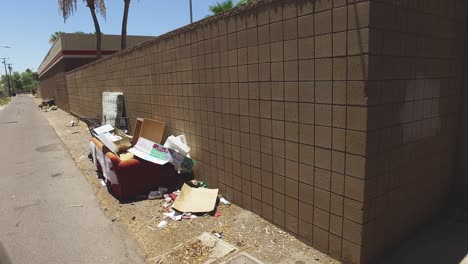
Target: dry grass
{"points": [[4, 100]]}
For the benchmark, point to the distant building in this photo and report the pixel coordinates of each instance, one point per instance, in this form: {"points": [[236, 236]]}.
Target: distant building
{"points": [[70, 51]]}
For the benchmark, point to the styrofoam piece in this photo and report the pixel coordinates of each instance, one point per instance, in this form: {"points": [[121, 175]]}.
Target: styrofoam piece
{"points": [[176, 144]]}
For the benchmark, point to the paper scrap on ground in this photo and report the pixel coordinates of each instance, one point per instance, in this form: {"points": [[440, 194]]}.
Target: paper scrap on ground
{"points": [[150, 151], [196, 200]]}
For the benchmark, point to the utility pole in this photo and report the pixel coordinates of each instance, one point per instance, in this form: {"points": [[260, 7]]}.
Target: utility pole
{"points": [[8, 77], [191, 17], [11, 78]]}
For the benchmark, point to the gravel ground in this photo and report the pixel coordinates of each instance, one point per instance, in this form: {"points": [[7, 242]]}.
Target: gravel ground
{"points": [[241, 228]]}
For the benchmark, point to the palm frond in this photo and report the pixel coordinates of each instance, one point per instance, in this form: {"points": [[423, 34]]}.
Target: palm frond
{"points": [[67, 8], [98, 5], [221, 6]]}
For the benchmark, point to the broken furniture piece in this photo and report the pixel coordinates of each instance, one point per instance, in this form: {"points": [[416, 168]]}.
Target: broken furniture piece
{"points": [[132, 177]]}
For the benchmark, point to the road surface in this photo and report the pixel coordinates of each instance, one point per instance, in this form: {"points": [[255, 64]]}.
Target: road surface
{"points": [[48, 211]]}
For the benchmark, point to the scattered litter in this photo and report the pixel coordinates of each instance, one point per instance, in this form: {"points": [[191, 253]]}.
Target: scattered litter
{"points": [[162, 224], [217, 214], [77, 205], [166, 205], [224, 201], [102, 182], [217, 234], [188, 216], [155, 195], [197, 184], [170, 214], [163, 190], [75, 132], [74, 122], [173, 196], [151, 228]]}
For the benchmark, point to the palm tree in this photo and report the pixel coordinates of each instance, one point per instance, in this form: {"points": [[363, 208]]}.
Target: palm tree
{"points": [[221, 7], [68, 7], [226, 5], [55, 36], [123, 37]]}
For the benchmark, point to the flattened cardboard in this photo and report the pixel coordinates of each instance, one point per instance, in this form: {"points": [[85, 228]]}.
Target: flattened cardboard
{"points": [[195, 200]]}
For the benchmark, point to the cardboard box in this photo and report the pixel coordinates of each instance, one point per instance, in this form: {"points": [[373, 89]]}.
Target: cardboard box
{"points": [[136, 130], [150, 129]]}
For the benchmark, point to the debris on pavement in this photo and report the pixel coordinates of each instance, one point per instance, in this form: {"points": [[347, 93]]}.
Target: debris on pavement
{"points": [[155, 195], [196, 200], [162, 224], [224, 201], [102, 182], [74, 122]]}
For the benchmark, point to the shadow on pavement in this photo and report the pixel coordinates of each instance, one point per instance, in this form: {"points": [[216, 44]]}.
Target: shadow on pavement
{"points": [[444, 240], [4, 259]]}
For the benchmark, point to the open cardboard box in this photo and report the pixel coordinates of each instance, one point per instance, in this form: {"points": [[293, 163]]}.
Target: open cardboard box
{"points": [[150, 129]]}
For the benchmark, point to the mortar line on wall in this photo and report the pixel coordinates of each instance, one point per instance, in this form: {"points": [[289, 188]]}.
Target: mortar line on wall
{"points": [[314, 129], [345, 131], [331, 130], [284, 99], [298, 119]]}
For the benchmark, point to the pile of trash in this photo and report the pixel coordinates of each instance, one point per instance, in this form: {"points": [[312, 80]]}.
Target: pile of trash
{"points": [[188, 199], [145, 145], [191, 201], [48, 105]]}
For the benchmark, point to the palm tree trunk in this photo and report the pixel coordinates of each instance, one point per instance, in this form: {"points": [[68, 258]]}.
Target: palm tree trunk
{"points": [[123, 37], [97, 28]]}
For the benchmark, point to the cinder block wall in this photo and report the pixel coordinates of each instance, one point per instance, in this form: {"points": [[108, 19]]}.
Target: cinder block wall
{"points": [[328, 118], [415, 75], [53, 83]]}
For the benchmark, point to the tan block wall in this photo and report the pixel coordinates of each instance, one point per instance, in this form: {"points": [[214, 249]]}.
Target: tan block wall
{"points": [[262, 98], [53, 85], [328, 119], [416, 56]]}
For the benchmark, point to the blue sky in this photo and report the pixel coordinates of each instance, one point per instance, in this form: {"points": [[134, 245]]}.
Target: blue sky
{"points": [[27, 26]]}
